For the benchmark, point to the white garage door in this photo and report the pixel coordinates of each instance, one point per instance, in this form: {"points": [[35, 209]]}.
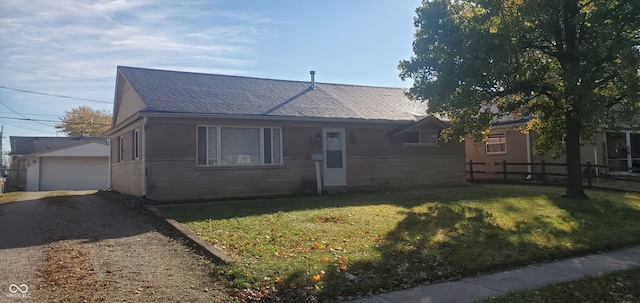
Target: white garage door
{"points": [[74, 173]]}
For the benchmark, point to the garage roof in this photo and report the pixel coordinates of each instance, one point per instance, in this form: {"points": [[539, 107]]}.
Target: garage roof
{"points": [[29, 145]]}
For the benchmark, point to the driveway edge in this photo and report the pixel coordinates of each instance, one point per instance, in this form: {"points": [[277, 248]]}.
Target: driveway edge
{"points": [[193, 238]]}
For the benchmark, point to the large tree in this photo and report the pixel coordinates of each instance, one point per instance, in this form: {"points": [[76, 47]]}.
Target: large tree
{"points": [[571, 65], [84, 120]]}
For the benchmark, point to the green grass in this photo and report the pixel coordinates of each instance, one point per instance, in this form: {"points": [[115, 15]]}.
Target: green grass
{"points": [[299, 248], [10, 197], [618, 287], [627, 184]]}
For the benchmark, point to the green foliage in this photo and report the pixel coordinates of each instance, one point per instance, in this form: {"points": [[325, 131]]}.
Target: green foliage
{"points": [[571, 65], [85, 120], [477, 60], [301, 249]]}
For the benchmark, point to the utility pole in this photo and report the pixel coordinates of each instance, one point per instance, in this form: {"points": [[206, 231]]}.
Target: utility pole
{"points": [[1, 154]]}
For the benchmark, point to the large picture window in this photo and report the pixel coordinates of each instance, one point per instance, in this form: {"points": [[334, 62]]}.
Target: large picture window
{"points": [[237, 146], [496, 143]]}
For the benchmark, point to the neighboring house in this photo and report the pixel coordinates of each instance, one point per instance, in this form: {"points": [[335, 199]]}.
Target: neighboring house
{"points": [[58, 163], [620, 151], [184, 136]]}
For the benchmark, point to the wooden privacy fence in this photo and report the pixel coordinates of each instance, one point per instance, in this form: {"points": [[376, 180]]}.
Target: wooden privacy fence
{"points": [[540, 172]]}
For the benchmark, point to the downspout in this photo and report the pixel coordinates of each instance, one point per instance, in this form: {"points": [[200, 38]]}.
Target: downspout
{"points": [[629, 159], [144, 157], [595, 161], [110, 152], [528, 155]]}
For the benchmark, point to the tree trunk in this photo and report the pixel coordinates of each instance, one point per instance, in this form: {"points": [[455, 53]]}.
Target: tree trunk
{"points": [[570, 63], [574, 170]]}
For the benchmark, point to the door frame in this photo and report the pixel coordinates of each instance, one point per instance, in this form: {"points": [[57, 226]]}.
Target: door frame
{"points": [[334, 176]]}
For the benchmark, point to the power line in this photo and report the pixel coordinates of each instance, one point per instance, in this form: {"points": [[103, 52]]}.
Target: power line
{"points": [[43, 120], [59, 76], [31, 114], [52, 95], [19, 114], [31, 129]]}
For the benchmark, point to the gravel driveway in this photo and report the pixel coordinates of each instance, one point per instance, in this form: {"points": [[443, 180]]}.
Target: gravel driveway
{"points": [[90, 247]]}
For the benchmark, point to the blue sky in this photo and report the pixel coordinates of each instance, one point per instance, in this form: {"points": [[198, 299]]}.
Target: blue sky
{"points": [[72, 47]]}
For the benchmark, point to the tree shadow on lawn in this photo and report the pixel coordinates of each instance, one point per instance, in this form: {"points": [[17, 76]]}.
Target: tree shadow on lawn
{"points": [[446, 233], [403, 197], [448, 243]]}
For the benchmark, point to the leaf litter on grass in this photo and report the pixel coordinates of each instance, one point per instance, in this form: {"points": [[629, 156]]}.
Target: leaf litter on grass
{"points": [[309, 247]]}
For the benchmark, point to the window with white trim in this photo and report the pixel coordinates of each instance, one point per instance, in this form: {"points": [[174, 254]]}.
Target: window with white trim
{"points": [[238, 146], [422, 137], [136, 141], [496, 143]]}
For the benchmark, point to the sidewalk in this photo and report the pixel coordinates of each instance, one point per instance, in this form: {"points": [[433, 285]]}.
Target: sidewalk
{"points": [[481, 287]]}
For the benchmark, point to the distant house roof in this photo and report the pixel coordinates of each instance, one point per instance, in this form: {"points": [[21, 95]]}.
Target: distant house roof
{"points": [[509, 119], [195, 93], [29, 145]]}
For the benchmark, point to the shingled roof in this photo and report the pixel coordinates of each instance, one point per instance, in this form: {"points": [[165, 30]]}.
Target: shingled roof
{"points": [[28, 145], [196, 93]]}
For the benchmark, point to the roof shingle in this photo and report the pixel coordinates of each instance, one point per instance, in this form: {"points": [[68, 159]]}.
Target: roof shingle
{"points": [[28, 145], [195, 93]]}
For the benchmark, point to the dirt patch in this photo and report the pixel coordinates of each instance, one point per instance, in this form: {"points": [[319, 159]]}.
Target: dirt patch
{"points": [[67, 271], [91, 248], [330, 219]]}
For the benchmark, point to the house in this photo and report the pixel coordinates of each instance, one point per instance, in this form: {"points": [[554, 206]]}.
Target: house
{"points": [[58, 163], [619, 150], [186, 136]]}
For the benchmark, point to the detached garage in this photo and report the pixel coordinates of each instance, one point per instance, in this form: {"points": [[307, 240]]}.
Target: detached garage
{"points": [[65, 163]]}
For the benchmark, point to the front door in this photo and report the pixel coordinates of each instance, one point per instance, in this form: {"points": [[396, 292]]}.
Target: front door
{"points": [[334, 154]]}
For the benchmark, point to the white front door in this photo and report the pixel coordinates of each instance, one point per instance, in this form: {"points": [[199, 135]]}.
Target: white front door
{"points": [[335, 159]]}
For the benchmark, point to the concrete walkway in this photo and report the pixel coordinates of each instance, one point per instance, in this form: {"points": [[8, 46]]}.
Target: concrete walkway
{"points": [[498, 284]]}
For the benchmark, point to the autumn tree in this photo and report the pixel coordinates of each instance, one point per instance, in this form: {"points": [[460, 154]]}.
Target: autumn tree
{"points": [[85, 120], [571, 65]]}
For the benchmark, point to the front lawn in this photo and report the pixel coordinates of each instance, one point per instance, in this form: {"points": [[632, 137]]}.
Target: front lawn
{"points": [[335, 247]]}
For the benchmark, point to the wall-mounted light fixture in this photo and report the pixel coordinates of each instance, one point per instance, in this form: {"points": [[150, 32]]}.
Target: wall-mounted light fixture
{"points": [[318, 137], [352, 138]]}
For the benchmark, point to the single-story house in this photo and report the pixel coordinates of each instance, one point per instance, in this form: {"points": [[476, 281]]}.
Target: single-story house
{"points": [[188, 136], [58, 163], [619, 150]]}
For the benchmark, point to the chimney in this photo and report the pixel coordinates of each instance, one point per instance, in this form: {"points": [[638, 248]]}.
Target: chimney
{"points": [[313, 79]]}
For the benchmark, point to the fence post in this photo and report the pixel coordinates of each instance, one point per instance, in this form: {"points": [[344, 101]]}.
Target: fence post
{"points": [[589, 173], [471, 171], [544, 173], [504, 170]]}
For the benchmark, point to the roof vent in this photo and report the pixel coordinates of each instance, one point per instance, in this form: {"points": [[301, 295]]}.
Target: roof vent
{"points": [[313, 79]]}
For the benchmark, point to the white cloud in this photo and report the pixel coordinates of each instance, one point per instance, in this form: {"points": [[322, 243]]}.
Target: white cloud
{"points": [[71, 47]]}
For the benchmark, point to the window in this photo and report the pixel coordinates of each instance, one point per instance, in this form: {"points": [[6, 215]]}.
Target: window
{"points": [[237, 146], [120, 149], [136, 141], [423, 137], [497, 143]]}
